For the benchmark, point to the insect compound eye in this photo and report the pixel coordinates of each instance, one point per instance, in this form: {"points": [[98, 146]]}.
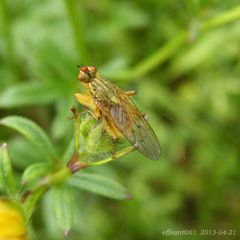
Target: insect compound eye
{"points": [[83, 77], [84, 69], [84, 74]]}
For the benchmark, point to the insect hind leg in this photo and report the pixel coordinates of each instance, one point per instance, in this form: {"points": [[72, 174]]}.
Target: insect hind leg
{"points": [[111, 129], [114, 133]]}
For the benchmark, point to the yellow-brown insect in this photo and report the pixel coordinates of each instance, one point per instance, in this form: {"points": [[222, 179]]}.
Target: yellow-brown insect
{"points": [[119, 114]]}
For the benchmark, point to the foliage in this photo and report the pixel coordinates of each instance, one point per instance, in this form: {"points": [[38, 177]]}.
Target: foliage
{"points": [[182, 58]]}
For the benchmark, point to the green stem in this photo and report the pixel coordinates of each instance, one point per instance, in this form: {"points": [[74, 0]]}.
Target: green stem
{"points": [[76, 132], [163, 53], [77, 28], [31, 199], [112, 158], [8, 38], [59, 176], [154, 60], [222, 19]]}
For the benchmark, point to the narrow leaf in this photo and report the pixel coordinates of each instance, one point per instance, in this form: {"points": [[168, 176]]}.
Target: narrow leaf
{"points": [[31, 201], [48, 216], [99, 185], [35, 171], [32, 132], [63, 202], [6, 173], [27, 94]]}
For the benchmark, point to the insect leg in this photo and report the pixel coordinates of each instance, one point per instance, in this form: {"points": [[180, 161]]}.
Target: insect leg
{"points": [[96, 112], [87, 101], [84, 99], [131, 93], [111, 130]]}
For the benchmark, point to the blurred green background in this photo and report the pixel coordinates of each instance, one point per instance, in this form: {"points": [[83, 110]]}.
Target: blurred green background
{"points": [[182, 58]]}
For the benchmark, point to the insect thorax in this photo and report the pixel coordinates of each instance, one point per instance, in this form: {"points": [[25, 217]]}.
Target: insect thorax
{"points": [[101, 90]]}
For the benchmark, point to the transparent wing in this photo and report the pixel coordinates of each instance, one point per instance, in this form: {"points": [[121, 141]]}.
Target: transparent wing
{"points": [[131, 123]]}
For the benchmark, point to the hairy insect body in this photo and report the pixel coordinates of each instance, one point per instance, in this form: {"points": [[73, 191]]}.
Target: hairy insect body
{"points": [[119, 114], [89, 100]]}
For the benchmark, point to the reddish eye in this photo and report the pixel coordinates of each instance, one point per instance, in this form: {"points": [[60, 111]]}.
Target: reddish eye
{"points": [[84, 69]]}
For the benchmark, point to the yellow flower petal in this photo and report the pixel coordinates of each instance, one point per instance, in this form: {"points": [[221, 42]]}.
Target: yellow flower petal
{"points": [[12, 224]]}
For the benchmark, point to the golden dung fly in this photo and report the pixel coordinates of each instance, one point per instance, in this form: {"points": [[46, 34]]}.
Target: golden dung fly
{"points": [[119, 114]]}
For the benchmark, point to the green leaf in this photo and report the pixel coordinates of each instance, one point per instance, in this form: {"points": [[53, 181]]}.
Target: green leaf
{"points": [[32, 132], [48, 216], [99, 185], [63, 202], [6, 173], [31, 201], [27, 94], [23, 153], [35, 171], [61, 126]]}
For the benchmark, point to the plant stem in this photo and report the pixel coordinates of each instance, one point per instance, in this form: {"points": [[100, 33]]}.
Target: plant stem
{"points": [[224, 18], [112, 158], [8, 37], [78, 30], [163, 53], [59, 176], [76, 131], [31, 199]]}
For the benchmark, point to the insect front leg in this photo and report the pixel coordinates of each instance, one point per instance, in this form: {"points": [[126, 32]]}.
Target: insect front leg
{"points": [[84, 99], [87, 101]]}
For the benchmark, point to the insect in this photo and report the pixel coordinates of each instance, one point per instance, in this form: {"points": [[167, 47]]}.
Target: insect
{"points": [[119, 114]]}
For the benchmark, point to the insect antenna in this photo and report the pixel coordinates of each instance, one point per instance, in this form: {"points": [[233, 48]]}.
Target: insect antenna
{"points": [[79, 66]]}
